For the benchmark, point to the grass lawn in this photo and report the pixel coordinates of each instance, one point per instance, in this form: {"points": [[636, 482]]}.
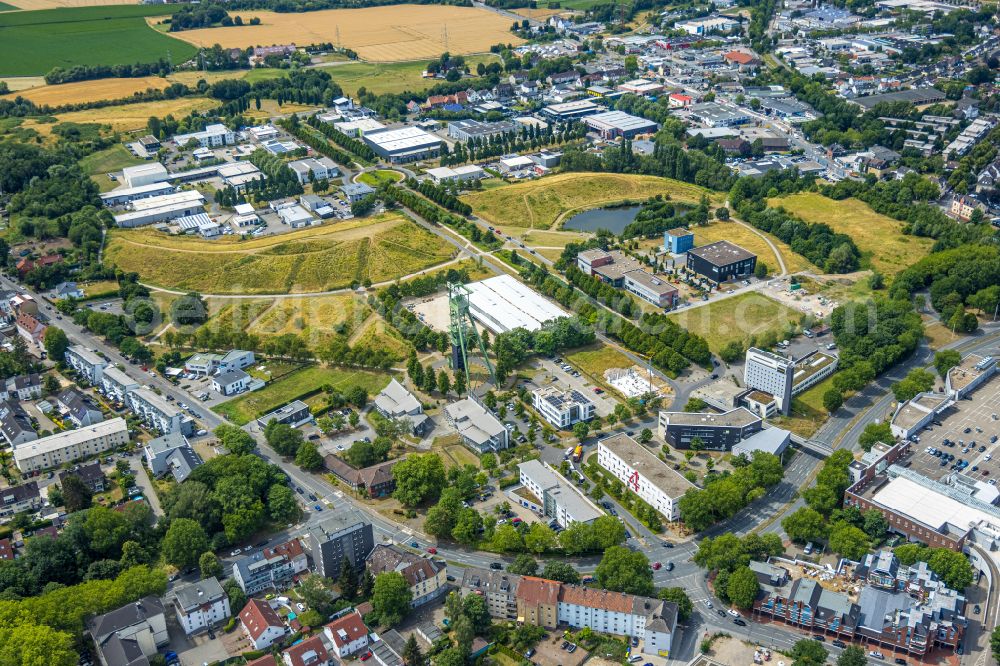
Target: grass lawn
{"points": [[594, 360], [35, 42], [736, 318], [115, 158], [543, 203], [937, 334], [390, 77], [813, 396], [99, 289], [745, 238], [322, 258], [295, 385], [379, 176], [884, 247], [452, 452]]}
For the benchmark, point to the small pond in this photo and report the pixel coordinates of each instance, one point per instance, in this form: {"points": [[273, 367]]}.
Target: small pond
{"points": [[613, 219]]}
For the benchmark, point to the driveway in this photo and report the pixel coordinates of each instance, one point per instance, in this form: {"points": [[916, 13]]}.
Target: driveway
{"points": [[143, 481]]}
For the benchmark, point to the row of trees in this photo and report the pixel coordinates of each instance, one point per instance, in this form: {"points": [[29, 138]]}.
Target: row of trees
{"points": [[726, 494]]}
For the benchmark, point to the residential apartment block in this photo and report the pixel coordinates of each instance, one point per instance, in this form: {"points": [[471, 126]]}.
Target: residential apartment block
{"points": [[426, 577], [158, 413], [549, 603], [643, 473], [272, 568], [71, 445], [86, 363], [201, 605], [348, 535]]}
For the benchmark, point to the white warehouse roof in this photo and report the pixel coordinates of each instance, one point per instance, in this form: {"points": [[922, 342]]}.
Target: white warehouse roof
{"points": [[402, 140], [503, 303]]}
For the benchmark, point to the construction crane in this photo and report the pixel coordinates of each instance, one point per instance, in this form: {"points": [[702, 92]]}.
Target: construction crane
{"points": [[461, 329]]}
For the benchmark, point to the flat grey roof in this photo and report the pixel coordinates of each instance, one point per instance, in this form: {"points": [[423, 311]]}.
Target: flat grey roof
{"points": [[721, 253], [734, 418], [648, 465]]}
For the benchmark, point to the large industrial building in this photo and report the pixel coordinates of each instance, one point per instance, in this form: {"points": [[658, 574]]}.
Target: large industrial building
{"points": [[618, 124], [503, 303], [144, 174], [568, 111], [716, 432], [407, 144], [161, 208], [655, 482], [721, 261]]}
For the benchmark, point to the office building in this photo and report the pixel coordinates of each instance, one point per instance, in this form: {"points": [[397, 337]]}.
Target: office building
{"points": [[562, 409], [124, 195], [678, 240], [466, 130], [458, 174], [721, 261], [295, 413], [716, 432], [395, 402], [318, 168], [71, 445], [213, 136], [271, 568], [551, 495], [348, 535], [201, 605], [476, 425], [651, 288], [568, 111], [355, 192], [643, 473], [772, 374], [426, 577]]}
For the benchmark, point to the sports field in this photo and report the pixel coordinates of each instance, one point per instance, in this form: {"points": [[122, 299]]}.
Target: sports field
{"points": [[389, 77], [879, 237], [378, 34], [308, 260], [736, 318], [34, 42], [297, 384], [82, 92], [543, 203]]}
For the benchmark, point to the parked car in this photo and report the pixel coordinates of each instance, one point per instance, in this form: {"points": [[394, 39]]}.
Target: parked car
{"points": [[740, 622], [236, 552], [496, 566], [875, 654], [840, 644]]}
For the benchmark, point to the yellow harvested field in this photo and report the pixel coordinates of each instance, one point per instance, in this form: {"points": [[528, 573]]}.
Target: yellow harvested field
{"points": [[315, 319], [539, 14], [82, 92], [310, 260], [544, 203], [134, 116], [378, 34], [16, 83], [54, 4], [748, 239], [880, 238]]}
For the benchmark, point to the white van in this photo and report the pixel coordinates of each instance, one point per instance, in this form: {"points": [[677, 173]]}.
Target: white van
{"points": [[809, 548]]}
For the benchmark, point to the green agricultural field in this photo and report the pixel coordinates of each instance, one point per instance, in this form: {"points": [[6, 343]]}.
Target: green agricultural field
{"points": [[883, 245], [321, 258], [4, 7], [546, 202], [736, 318], [390, 77], [298, 384], [115, 158], [35, 42]]}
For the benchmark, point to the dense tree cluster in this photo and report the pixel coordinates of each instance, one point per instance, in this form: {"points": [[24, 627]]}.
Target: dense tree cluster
{"points": [[657, 216], [726, 494], [190, 17], [876, 334], [350, 144], [281, 180], [440, 195], [728, 557], [951, 566], [966, 276]]}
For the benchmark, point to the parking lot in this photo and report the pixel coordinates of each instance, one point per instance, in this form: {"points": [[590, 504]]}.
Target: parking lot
{"points": [[972, 430]]}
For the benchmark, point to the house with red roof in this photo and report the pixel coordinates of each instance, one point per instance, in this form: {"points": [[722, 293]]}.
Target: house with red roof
{"points": [[261, 624], [679, 100], [348, 634], [742, 60], [30, 328], [310, 652], [266, 660]]}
